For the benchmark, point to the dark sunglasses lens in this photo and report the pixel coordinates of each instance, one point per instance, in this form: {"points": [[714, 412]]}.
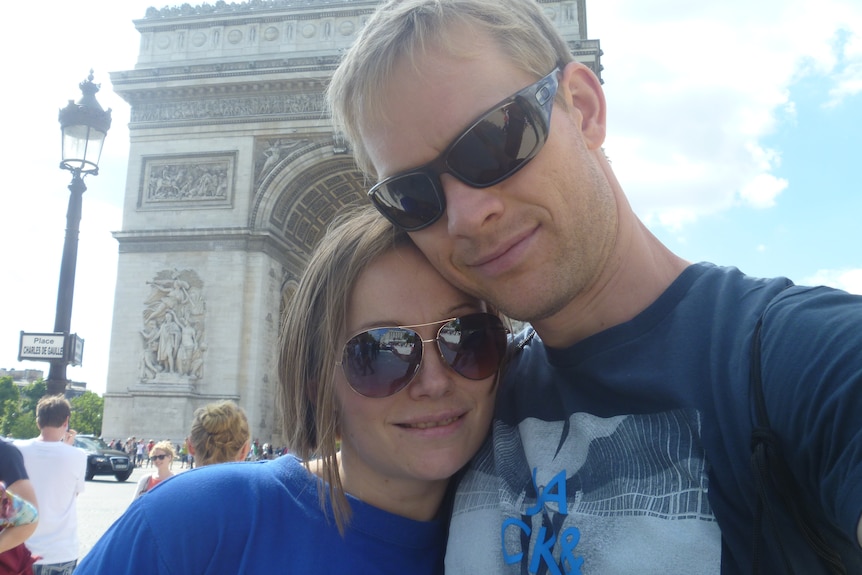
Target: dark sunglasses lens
{"points": [[411, 201], [380, 362], [496, 146], [473, 345]]}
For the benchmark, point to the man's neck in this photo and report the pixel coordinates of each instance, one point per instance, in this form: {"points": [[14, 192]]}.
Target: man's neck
{"points": [[52, 433], [639, 271]]}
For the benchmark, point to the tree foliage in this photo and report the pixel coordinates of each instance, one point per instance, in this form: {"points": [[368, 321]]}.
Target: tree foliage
{"points": [[87, 411], [18, 410]]}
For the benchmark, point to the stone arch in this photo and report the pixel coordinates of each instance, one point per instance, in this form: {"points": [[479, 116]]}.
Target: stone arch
{"points": [[298, 196]]}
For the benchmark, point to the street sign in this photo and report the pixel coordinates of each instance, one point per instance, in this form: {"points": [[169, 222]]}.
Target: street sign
{"points": [[76, 349], [51, 347], [42, 346]]}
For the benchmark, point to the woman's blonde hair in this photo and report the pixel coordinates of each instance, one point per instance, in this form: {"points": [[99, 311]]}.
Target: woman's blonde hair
{"points": [[164, 446], [219, 433], [311, 341], [409, 28]]}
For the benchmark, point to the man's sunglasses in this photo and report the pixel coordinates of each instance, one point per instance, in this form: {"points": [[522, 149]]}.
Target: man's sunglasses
{"points": [[382, 361], [491, 149]]}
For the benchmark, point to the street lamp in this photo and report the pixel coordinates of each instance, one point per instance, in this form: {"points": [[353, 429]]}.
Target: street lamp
{"points": [[84, 126]]}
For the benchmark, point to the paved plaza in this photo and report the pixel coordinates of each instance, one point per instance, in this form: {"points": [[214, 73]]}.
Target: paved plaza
{"points": [[104, 499]]}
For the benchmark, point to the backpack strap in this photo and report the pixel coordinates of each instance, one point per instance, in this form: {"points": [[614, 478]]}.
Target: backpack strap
{"points": [[771, 472]]}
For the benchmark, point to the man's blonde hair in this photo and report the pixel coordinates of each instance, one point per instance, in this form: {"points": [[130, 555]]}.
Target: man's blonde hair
{"points": [[401, 29], [219, 433]]}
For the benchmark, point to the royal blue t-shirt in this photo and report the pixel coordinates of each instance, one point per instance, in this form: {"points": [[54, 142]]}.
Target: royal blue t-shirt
{"points": [[261, 517]]}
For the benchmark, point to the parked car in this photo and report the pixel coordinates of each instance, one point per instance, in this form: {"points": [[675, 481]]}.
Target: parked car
{"points": [[102, 460]]}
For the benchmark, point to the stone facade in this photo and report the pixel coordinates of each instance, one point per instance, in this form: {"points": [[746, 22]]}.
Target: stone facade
{"points": [[233, 174]]}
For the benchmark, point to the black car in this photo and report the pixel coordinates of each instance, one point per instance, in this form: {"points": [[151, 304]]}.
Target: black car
{"points": [[102, 460]]}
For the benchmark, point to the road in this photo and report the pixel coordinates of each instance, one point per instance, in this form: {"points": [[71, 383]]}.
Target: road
{"points": [[104, 499]]}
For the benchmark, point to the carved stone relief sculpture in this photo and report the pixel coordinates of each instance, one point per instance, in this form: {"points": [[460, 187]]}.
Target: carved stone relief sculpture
{"points": [[173, 334], [206, 180], [271, 152]]}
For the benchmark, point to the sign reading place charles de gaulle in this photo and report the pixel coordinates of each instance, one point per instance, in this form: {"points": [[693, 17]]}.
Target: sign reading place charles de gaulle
{"points": [[42, 346], [51, 347]]}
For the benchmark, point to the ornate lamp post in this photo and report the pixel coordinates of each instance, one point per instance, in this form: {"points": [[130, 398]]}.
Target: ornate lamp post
{"points": [[84, 126]]}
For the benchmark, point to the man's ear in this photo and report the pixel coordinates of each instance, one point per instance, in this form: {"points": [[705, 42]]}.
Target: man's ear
{"points": [[583, 92]]}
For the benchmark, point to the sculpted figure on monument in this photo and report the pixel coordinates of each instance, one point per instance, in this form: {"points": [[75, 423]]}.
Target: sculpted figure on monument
{"points": [[149, 362], [169, 342], [172, 337], [274, 152]]}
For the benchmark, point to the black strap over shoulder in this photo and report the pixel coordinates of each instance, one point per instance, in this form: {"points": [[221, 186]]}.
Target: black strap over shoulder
{"points": [[771, 473]]}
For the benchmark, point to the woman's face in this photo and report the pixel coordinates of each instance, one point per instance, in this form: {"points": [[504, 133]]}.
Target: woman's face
{"points": [[163, 461], [431, 428]]}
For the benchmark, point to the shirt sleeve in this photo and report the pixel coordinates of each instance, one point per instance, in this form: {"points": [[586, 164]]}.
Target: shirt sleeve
{"points": [[812, 377], [11, 464], [131, 536]]}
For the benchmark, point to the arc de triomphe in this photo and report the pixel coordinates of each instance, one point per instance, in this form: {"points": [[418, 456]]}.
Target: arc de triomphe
{"points": [[233, 175]]}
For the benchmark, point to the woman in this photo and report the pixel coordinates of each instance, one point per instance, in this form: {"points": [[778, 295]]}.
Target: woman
{"points": [[219, 434], [162, 454], [407, 418]]}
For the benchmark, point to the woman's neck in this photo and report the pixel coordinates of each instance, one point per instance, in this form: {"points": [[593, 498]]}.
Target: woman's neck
{"points": [[412, 498]]}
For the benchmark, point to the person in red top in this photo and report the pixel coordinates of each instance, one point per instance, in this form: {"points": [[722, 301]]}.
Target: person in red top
{"points": [[149, 448], [161, 455]]}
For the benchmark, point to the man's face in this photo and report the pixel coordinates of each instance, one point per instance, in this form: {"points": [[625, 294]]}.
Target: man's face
{"points": [[530, 244]]}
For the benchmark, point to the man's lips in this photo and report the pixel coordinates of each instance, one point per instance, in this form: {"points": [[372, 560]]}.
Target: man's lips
{"points": [[505, 251]]}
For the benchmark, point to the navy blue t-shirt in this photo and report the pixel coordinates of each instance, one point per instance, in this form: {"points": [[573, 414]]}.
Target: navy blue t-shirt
{"points": [[629, 451], [11, 464]]}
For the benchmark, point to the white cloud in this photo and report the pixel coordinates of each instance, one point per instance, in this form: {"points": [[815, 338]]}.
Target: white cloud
{"points": [[761, 190], [849, 280], [693, 88]]}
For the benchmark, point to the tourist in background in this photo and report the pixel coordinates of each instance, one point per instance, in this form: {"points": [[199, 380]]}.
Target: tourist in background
{"points": [[162, 455], [57, 472], [18, 515], [219, 434]]}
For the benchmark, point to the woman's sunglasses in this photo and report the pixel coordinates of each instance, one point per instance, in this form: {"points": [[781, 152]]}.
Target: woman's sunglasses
{"points": [[160, 456], [491, 149], [382, 361]]}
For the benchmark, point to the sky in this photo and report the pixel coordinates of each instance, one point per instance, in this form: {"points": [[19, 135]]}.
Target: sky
{"points": [[734, 127]]}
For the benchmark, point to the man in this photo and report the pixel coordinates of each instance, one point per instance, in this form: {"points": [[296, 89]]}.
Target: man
{"points": [[621, 442], [57, 471], [14, 476]]}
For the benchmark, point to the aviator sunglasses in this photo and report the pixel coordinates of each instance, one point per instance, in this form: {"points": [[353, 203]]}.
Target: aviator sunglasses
{"points": [[382, 361], [491, 149]]}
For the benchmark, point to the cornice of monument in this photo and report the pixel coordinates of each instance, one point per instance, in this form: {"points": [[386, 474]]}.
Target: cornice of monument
{"points": [[124, 82], [253, 7], [211, 240]]}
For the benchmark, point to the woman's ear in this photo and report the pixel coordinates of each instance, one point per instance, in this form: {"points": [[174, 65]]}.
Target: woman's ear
{"points": [[243, 451], [583, 93]]}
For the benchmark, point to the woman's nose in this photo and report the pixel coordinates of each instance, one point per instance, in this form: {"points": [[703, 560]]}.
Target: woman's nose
{"points": [[435, 378]]}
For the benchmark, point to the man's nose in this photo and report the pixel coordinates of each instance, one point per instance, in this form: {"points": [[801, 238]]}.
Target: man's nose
{"points": [[468, 208]]}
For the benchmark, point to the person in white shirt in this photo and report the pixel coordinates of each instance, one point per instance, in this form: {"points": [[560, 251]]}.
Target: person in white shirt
{"points": [[56, 471]]}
